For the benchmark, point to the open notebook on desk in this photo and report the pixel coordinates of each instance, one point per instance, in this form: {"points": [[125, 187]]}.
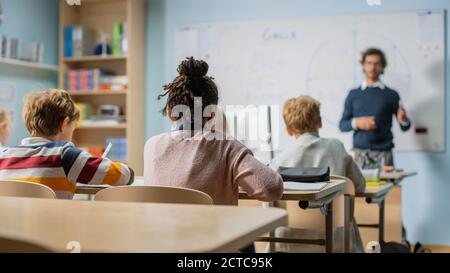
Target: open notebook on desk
{"points": [[299, 186], [80, 185]]}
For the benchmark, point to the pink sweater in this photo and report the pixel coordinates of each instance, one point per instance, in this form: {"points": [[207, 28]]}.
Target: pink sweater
{"points": [[216, 167]]}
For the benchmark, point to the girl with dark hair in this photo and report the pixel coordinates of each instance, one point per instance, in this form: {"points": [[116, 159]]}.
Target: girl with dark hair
{"points": [[199, 159]]}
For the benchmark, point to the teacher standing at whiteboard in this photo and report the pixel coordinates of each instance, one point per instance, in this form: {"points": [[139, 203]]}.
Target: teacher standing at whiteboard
{"points": [[369, 110]]}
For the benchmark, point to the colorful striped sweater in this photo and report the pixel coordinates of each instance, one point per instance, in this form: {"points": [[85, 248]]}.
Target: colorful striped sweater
{"points": [[60, 166]]}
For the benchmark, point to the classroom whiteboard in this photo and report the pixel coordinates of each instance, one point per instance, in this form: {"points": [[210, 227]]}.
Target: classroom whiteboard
{"points": [[267, 62]]}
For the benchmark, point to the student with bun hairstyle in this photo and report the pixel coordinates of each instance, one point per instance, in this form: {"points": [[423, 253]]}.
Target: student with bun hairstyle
{"points": [[193, 157]]}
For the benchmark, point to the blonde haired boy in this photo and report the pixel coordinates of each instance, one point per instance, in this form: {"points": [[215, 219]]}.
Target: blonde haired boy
{"points": [[49, 157], [303, 122]]}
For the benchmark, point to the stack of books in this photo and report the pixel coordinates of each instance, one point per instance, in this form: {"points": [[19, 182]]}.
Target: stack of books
{"points": [[79, 41], [113, 83], [9, 47], [119, 39], [93, 80], [88, 118], [32, 52], [86, 111], [82, 79]]}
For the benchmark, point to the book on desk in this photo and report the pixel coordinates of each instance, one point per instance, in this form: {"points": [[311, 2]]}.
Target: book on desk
{"points": [[299, 186]]}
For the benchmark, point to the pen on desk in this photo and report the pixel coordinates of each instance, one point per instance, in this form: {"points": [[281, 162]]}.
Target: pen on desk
{"points": [[105, 154]]}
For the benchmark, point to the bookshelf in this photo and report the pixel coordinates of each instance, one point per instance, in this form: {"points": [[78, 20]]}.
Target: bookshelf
{"points": [[31, 65], [101, 15], [80, 93], [120, 126], [95, 59]]}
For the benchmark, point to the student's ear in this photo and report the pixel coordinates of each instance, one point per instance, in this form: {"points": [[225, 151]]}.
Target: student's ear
{"points": [[169, 114], [64, 124], [207, 119], [289, 131]]}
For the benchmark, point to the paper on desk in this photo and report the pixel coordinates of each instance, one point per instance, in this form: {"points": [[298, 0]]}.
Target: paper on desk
{"points": [[137, 182], [92, 186], [298, 186], [375, 183]]}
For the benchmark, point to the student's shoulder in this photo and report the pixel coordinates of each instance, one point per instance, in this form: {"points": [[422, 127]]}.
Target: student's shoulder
{"points": [[69, 152], [61, 144], [156, 137], [229, 141], [226, 143], [67, 147], [285, 158], [333, 143], [161, 137]]}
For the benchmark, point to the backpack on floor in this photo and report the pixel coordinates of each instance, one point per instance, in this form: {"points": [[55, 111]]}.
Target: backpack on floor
{"points": [[394, 247]]}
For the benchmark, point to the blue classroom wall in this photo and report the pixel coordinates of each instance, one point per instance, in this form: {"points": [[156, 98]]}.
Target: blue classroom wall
{"points": [[29, 21], [425, 198]]}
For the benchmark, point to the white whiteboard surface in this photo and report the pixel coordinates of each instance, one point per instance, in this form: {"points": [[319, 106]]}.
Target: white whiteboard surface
{"points": [[267, 62]]}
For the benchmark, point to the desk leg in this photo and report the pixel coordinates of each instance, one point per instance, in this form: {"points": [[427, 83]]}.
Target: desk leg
{"points": [[272, 244], [272, 233], [329, 228], [381, 222], [404, 239], [346, 223]]}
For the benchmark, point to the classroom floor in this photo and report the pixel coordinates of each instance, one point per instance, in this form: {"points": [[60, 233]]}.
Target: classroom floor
{"points": [[439, 249]]}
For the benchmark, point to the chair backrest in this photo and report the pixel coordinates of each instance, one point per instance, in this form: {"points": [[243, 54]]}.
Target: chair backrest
{"points": [[154, 194], [25, 189], [9, 245], [349, 188]]}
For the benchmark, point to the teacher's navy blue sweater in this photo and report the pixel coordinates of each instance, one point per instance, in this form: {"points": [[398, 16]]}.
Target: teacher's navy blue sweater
{"points": [[383, 104]]}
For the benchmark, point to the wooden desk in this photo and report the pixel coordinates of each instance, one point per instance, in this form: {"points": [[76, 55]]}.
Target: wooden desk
{"points": [[307, 199], [135, 227], [322, 199], [377, 195], [396, 176], [376, 191], [333, 187], [388, 199]]}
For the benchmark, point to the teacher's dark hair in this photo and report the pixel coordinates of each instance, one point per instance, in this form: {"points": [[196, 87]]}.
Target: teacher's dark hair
{"points": [[374, 51], [191, 82]]}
